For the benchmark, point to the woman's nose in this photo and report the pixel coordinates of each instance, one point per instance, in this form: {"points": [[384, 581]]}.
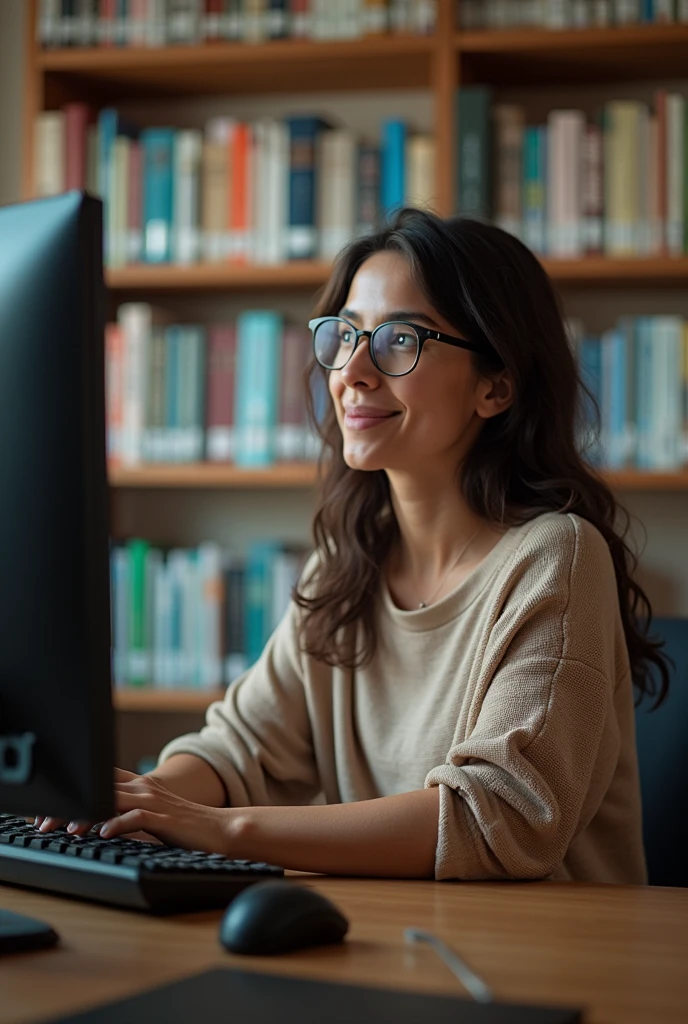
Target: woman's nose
{"points": [[360, 368]]}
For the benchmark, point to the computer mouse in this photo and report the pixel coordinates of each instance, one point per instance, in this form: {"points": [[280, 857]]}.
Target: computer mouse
{"points": [[278, 917]]}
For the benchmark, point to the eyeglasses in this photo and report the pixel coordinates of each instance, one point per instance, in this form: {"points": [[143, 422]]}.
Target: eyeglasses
{"points": [[395, 347]]}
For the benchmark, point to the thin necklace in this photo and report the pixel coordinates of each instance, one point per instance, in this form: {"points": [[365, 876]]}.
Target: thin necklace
{"points": [[424, 604]]}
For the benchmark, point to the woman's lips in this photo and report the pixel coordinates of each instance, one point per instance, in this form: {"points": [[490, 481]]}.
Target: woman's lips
{"points": [[364, 419]]}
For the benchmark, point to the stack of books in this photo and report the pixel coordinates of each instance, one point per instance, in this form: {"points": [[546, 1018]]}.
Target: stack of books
{"points": [[261, 192], [228, 392], [195, 618], [562, 14], [616, 185], [637, 373], [184, 22]]}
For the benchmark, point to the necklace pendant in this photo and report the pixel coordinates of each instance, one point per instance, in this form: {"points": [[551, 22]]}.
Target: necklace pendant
{"points": [[422, 605]]}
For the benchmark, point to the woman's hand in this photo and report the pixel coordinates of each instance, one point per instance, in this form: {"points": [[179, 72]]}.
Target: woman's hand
{"points": [[145, 805], [147, 810]]}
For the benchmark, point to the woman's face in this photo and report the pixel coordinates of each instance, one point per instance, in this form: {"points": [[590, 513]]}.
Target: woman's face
{"points": [[425, 420]]}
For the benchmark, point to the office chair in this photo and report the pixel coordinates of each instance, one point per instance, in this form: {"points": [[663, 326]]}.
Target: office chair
{"points": [[662, 743]]}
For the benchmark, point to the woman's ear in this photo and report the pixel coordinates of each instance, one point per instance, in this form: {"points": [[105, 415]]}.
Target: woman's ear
{"points": [[496, 394]]}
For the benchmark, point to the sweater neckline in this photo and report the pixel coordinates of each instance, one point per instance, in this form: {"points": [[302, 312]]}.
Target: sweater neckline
{"points": [[418, 620]]}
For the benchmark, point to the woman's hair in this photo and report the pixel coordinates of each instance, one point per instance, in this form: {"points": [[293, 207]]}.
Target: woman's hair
{"points": [[526, 461]]}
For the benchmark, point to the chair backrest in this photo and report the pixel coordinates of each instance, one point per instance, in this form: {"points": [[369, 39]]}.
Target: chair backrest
{"points": [[662, 741]]}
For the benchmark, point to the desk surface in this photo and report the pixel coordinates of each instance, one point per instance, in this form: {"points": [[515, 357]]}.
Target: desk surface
{"points": [[618, 952]]}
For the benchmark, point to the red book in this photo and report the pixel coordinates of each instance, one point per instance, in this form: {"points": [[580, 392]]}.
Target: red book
{"points": [[211, 23], [220, 393], [78, 116], [106, 25], [291, 422]]}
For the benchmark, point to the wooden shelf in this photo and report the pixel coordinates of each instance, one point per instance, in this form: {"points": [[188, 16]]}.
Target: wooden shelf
{"points": [[148, 699], [312, 274], [205, 475], [528, 56], [286, 65], [199, 277], [302, 475]]}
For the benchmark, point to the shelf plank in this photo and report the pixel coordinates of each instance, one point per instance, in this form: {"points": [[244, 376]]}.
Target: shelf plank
{"points": [[669, 271], [526, 56], [293, 65], [146, 277], [148, 699], [204, 475]]}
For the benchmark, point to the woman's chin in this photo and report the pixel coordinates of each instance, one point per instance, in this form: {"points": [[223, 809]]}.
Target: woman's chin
{"points": [[362, 457]]}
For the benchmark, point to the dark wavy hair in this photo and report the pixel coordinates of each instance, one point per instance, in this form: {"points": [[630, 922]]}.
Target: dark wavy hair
{"points": [[526, 461]]}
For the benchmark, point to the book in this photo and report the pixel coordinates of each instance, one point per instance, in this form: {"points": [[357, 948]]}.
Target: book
{"points": [[258, 369], [187, 151], [220, 442], [393, 167], [474, 152], [302, 236], [158, 158]]}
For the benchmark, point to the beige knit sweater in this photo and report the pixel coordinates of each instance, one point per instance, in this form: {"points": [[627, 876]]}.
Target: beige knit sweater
{"points": [[512, 694]]}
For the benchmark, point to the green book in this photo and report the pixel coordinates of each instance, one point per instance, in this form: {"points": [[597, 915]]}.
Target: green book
{"points": [[474, 187], [139, 653]]}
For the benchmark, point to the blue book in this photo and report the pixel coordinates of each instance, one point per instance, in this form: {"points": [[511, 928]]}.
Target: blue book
{"points": [[259, 343], [647, 12], [393, 170], [302, 231], [534, 185], [644, 385], [158, 156], [258, 596]]}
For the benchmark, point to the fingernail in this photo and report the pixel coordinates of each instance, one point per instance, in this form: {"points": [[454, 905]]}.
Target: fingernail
{"points": [[105, 831], [72, 827], [36, 821]]}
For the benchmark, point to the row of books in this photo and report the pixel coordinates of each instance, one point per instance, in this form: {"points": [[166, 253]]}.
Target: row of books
{"points": [[638, 375], [195, 618], [558, 14], [231, 392], [265, 192], [616, 185], [188, 22]]}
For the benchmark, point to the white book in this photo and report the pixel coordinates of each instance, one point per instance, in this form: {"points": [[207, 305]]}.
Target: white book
{"points": [[186, 235], [565, 144], [665, 10], [336, 157], [184, 21], [210, 586], [601, 12], [627, 12], [135, 320], [49, 158], [420, 165], [118, 207], [278, 192], [580, 13], [667, 422], [48, 28], [300, 24], [675, 127], [425, 16], [558, 14], [156, 23]]}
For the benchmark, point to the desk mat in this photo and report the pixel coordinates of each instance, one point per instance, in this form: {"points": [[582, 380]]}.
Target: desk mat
{"points": [[248, 997]]}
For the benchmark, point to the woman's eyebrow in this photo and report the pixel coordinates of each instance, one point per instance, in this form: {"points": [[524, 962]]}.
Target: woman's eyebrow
{"points": [[394, 314]]}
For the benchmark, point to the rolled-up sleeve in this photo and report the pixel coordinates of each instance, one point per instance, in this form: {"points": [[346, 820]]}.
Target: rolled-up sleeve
{"points": [[258, 738]]}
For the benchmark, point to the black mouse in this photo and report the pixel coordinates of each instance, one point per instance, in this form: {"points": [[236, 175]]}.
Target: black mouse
{"points": [[277, 917]]}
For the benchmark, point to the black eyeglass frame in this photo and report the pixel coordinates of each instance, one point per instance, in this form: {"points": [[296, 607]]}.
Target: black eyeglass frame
{"points": [[422, 333]]}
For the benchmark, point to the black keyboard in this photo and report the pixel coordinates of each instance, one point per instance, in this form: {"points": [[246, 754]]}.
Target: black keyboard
{"points": [[126, 872]]}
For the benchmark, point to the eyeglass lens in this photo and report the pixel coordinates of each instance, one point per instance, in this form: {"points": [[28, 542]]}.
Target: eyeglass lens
{"points": [[395, 346]]}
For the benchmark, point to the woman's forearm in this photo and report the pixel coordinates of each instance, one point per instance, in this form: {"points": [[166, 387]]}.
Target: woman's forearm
{"points": [[393, 836], [191, 778]]}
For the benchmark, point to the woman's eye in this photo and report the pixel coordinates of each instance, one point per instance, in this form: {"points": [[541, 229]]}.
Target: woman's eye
{"points": [[401, 340], [346, 337]]}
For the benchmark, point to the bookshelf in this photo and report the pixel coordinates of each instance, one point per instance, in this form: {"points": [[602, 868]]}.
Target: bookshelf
{"points": [[439, 64]]}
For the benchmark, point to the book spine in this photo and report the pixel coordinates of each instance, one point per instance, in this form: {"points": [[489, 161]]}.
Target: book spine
{"points": [[186, 197], [241, 195], [509, 128], [114, 390], [77, 119], [259, 563], [234, 626], [170, 448], [393, 170], [139, 651], [302, 236], [474, 157], [49, 153], [158, 154], [119, 203], [183, 21], [684, 396], [197, 383], [119, 583], [675, 117], [211, 587], [534, 191], [211, 21], [643, 365], [420, 178], [156, 390], [135, 320], [258, 369], [220, 437], [592, 200], [213, 199], [290, 434], [134, 247], [622, 178], [336, 195]]}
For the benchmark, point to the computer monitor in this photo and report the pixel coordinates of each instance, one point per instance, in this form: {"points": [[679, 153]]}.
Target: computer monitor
{"points": [[56, 721]]}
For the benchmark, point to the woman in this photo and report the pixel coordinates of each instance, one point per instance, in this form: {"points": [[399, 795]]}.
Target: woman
{"points": [[454, 676]]}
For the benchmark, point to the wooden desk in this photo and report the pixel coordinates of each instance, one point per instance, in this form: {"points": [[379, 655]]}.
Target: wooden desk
{"points": [[620, 953]]}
